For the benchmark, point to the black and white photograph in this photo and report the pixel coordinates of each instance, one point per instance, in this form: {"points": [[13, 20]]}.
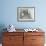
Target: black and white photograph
{"points": [[25, 13]]}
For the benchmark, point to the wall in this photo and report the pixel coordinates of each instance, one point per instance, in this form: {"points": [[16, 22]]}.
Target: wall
{"points": [[9, 13]]}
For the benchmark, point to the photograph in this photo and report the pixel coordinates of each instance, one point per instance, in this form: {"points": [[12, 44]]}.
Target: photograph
{"points": [[25, 13]]}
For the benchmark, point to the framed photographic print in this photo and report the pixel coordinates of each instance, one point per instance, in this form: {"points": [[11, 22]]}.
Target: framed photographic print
{"points": [[26, 14]]}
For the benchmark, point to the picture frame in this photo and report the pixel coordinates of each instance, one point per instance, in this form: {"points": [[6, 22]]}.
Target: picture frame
{"points": [[26, 14]]}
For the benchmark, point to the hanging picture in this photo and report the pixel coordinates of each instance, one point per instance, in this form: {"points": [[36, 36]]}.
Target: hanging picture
{"points": [[26, 14]]}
